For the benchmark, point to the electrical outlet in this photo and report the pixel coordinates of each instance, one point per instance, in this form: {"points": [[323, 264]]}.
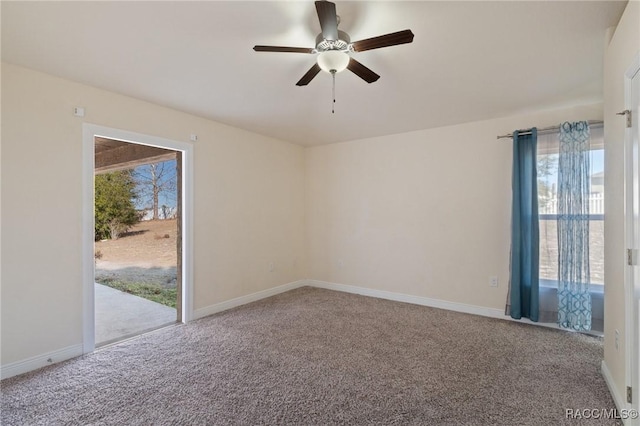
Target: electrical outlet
{"points": [[493, 281], [617, 342], [271, 266], [340, 264]]}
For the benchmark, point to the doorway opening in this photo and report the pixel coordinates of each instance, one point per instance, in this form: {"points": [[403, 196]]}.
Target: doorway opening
{"points": [[137, 234], [137, 240]]}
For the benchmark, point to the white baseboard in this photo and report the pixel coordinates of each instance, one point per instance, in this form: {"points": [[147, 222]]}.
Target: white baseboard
{"points": [[238, 301], [39, 361], [381, 294], [613, 390], [416, 300]]}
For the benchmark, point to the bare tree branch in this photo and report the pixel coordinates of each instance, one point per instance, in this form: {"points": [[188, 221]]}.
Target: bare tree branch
{"points": [[154, 180]]}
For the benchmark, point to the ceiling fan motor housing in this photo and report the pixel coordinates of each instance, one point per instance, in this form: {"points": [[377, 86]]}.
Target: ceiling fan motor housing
{"points": [[343, 42]]}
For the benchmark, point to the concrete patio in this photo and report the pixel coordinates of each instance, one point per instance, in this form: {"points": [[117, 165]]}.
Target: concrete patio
{"points": [[120, 315]]}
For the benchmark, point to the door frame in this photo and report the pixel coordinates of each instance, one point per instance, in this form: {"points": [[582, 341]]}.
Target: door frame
{"points": [[89, 132], [632, 241]]}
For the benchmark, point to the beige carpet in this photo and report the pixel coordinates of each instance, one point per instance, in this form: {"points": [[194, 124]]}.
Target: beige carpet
{"points": [[317, 357]]}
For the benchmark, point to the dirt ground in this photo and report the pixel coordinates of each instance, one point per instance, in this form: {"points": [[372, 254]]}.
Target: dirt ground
{"points": [[146, 254]]}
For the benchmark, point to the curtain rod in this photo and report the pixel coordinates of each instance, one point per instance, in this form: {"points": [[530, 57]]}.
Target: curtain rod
{"points": [[547, 129]]}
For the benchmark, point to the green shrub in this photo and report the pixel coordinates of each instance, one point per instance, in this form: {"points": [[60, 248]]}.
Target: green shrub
{"points": [[115, 210]]}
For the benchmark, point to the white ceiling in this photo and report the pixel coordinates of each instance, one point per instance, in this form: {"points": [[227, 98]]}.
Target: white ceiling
{"points": [[469, 60]]}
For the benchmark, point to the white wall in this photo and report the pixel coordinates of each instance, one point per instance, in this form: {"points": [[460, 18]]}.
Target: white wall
{"points": [[425, 213], [624, 45], [249, 206]]}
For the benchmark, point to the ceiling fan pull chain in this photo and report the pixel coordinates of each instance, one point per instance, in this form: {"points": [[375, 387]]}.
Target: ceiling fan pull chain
{"points": [[333, 106]]}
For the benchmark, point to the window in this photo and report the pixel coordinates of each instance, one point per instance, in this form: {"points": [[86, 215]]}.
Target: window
{"points": [[548, 153]]}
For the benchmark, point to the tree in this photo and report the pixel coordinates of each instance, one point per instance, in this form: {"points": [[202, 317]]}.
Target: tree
{"points": [[115, 210], [547, 166], [154, 180]]}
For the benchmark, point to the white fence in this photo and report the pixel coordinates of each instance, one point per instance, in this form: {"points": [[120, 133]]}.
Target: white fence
{"points": [[163, 213], [550, 205]]}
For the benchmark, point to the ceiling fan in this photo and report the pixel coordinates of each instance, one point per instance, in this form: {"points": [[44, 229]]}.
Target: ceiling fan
{"points": [[333, 47]]}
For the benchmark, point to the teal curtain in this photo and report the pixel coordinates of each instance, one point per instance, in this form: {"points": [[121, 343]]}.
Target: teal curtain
{"points": [[574, 299], [523, 289]]}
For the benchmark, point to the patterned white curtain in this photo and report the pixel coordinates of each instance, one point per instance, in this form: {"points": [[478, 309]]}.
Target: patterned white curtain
{"points": [[574, 299]]}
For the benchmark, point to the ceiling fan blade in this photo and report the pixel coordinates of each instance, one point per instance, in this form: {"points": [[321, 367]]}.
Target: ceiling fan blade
{"points": [[328, 19], [315, 69], [361, 71], [283, 49], [392, 39]]}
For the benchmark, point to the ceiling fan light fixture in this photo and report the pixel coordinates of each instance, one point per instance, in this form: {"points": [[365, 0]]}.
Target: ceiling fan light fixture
{"points": [[333, 60], [334, 47]]}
